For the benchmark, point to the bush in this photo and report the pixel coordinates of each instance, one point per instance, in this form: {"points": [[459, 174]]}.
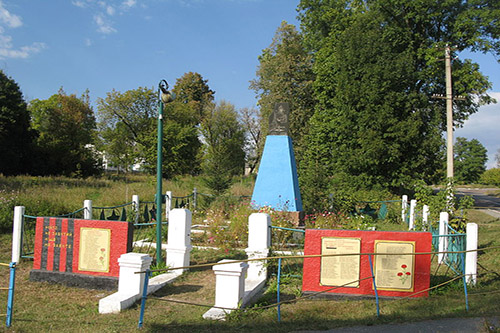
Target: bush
{"points": [[491, 177]]}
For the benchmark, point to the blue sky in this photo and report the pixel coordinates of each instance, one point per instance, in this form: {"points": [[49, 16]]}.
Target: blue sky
{"points": [[124, 44]]}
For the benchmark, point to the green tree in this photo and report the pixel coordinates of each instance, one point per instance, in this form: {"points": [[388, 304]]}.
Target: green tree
{"points": [[470, 160], [125, 121], [249, 119], [376, 65], [224, 139], [285, 74], [66, 131], [16, 137], [193, 92]]}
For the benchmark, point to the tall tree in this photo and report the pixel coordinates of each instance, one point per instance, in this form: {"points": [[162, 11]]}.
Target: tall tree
{"points": [[285, 74], [16, 137], [193, 92], [66, 130], [470, 160], [249, 119], [224, 139], [377, 66], [125, 121]]}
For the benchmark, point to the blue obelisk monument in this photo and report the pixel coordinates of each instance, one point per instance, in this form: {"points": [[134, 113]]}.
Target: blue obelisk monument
{"points": [[277, 184]]}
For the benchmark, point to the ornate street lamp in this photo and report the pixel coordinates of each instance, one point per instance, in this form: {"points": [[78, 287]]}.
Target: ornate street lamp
{"points": [[164, 96]]}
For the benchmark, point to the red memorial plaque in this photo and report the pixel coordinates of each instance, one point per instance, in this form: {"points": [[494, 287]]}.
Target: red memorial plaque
{"points": [[396, 273], [88, 247]]}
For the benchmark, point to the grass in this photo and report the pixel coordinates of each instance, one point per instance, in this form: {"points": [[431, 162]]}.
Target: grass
{"points": [[45, 307]]}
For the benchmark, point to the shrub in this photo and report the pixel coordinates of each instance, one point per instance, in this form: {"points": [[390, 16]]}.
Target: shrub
{"points": [[491, 177]]}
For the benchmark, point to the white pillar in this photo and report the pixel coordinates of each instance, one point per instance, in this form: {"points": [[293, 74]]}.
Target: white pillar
{"points": [[413, 205], [135, 207], [17, 228], [259, 241], [471, 257], [179, 239], [229, 288], [443, 231], [404, 206], [87, 212], [168, 204], [425, 217], [129, 282]]}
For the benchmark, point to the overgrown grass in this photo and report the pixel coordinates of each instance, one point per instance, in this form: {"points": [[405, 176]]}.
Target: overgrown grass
{"points": [[45, 307]]}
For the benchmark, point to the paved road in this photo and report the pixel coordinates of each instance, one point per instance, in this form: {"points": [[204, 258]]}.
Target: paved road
{"points": [[487, 203]]}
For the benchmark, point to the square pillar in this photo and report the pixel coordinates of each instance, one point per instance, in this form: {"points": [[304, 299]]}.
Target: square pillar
{"points": [[130, 263], [229, 283], [179, 239], [259, 241]]}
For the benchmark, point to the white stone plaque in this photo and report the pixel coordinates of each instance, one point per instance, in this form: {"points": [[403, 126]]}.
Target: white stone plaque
{"points": [[340, 270]]}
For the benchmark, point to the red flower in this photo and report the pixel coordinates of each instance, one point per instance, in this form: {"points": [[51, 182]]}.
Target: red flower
{"points": [[403, 266], [103, 249], [400, 274], [408, 273]]}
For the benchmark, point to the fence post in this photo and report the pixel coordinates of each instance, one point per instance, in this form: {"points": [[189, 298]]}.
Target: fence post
{"points": [[413, 205], [229, 288], [425, 217], [471, 257], [87, 212], [195, 198], [135, 207], [179, 239], [404, 206], [17, 228], [443, 240], [259, 241], [168, 204]]}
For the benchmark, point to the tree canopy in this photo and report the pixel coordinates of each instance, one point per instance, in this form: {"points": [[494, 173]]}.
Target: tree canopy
{"points": [[470, 160], [224, 138], [377, 64], [285, 74], [66, 126], [16, 137]]}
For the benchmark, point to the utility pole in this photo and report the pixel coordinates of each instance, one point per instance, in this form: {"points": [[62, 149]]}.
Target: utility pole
{"points": [[449, 114], [449, 123]]}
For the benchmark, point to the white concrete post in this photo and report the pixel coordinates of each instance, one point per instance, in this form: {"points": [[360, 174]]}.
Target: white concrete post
{"points": [[259, 241], [168, 204], [404, 205], [471, 257], [17, 228], [413, 205], [443, 231], [425, 217], [229, 288], [87, 212], [135, 207], [179, 239], [131, 283]]}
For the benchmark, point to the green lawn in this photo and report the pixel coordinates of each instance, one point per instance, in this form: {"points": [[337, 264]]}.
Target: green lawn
{"points": [[45, 307]]}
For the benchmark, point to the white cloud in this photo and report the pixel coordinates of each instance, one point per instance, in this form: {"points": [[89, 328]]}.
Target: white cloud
{"points": [[7, 48], [103, 26], [80, 4], [88, 42], [110, 10], [103, 10], [11, 20], [23, 52], [129, 3]]}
